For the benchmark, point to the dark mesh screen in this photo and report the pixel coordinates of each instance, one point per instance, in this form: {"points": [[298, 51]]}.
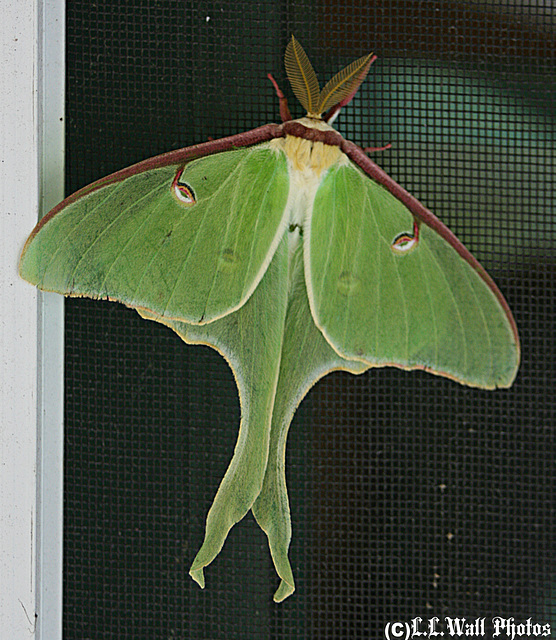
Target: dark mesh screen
{"points": [[411, 495]]}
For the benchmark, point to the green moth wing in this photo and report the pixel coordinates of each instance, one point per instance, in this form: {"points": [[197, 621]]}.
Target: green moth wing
{"points": [[293, 255], [389, 290], [255, 360], [185, 242], [296, 376]]}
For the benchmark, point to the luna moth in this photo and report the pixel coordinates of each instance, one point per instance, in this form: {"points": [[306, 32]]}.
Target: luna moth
{"points": [[293, 255]]}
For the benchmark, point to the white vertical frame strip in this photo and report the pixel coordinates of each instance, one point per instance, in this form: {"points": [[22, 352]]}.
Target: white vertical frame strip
{"points": [[19, 206], [31, 161], [51, 326]]}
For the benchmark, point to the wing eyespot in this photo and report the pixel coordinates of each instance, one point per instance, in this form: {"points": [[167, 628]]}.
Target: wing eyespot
{"points": [[183, 192], [406, 242]]}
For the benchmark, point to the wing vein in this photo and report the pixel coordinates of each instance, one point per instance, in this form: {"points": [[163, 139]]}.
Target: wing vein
{"points": [[257, 222], [330, 238], [131, 237], [387, 243], [379, 261], [346, 237], [228, 224], [441, 270], [485, 323], [426, 280], [112, 223], [67, 239], [197, 235]]}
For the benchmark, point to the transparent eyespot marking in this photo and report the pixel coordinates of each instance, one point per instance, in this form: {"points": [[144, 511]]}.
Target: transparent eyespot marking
{"points": [[183, 192], [228, 260], [348, 284], [405, 242]]}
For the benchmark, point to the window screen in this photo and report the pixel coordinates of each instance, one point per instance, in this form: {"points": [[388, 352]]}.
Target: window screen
{"points": [[410, 494]]}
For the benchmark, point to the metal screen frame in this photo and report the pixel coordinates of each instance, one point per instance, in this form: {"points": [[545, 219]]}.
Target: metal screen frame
{"points": [[31, 342]]}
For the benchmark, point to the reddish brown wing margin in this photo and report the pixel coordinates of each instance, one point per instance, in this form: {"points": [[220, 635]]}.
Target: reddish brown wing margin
{"points": [[177, 157], [358, 156]]}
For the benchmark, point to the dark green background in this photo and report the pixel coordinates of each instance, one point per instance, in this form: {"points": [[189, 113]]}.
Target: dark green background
{"points": [[410, 495]]}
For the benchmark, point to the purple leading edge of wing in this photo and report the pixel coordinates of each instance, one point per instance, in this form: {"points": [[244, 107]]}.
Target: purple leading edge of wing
{"points": [[246, 139], [294, 128]]}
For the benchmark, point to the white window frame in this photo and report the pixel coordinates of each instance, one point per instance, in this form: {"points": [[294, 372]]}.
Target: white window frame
{"points": [[32, 53]]}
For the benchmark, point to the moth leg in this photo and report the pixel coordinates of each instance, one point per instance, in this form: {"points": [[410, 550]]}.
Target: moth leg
{"points": [[373, 149], [284, 109]]}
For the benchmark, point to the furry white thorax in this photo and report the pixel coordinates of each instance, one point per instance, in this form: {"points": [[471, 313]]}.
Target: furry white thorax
{"points": [[308, 161]]}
